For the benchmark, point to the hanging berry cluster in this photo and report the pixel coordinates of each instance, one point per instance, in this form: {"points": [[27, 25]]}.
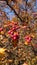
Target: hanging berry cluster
{"points": [[14, 35]]}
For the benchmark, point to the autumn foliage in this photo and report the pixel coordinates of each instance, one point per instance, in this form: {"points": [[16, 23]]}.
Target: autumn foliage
{"points": [[18, 37]]}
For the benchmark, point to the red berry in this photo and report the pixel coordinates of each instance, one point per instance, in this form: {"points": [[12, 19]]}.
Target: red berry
{"points": [[1, 29], [14, 29], [28, 38], [9, 32], [14, 38]]}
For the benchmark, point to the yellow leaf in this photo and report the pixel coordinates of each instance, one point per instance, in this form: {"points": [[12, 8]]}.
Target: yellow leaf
{"points": [[2, 50], [26, 43], [5, 25], [25, 64], [32, 35], [2, 32], [1, 37]]}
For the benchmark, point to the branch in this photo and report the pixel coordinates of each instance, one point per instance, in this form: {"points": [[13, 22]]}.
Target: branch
{"points": [[13, 10]]}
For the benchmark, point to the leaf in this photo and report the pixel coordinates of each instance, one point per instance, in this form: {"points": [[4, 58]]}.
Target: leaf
{"points": [[2, 50]]}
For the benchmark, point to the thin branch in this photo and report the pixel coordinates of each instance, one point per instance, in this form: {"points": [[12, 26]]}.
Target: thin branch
{"points": [[13, 10]]}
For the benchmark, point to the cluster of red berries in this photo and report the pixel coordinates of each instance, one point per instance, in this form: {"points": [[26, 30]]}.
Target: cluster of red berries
{"points": [[28, 38], [13, 33]]}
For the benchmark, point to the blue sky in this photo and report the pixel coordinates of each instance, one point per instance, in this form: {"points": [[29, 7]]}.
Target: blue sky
{"points": [[9, 13], [36, 3], [35, 7]]}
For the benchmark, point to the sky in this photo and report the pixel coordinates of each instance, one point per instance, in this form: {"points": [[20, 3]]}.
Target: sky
{"points": [[36, 3], [9, 13]]}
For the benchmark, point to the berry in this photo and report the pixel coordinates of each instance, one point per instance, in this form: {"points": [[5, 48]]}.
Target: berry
{"points": [[28, 38], [15, 36], [1, 29], [9, 32], [14, 28]]}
